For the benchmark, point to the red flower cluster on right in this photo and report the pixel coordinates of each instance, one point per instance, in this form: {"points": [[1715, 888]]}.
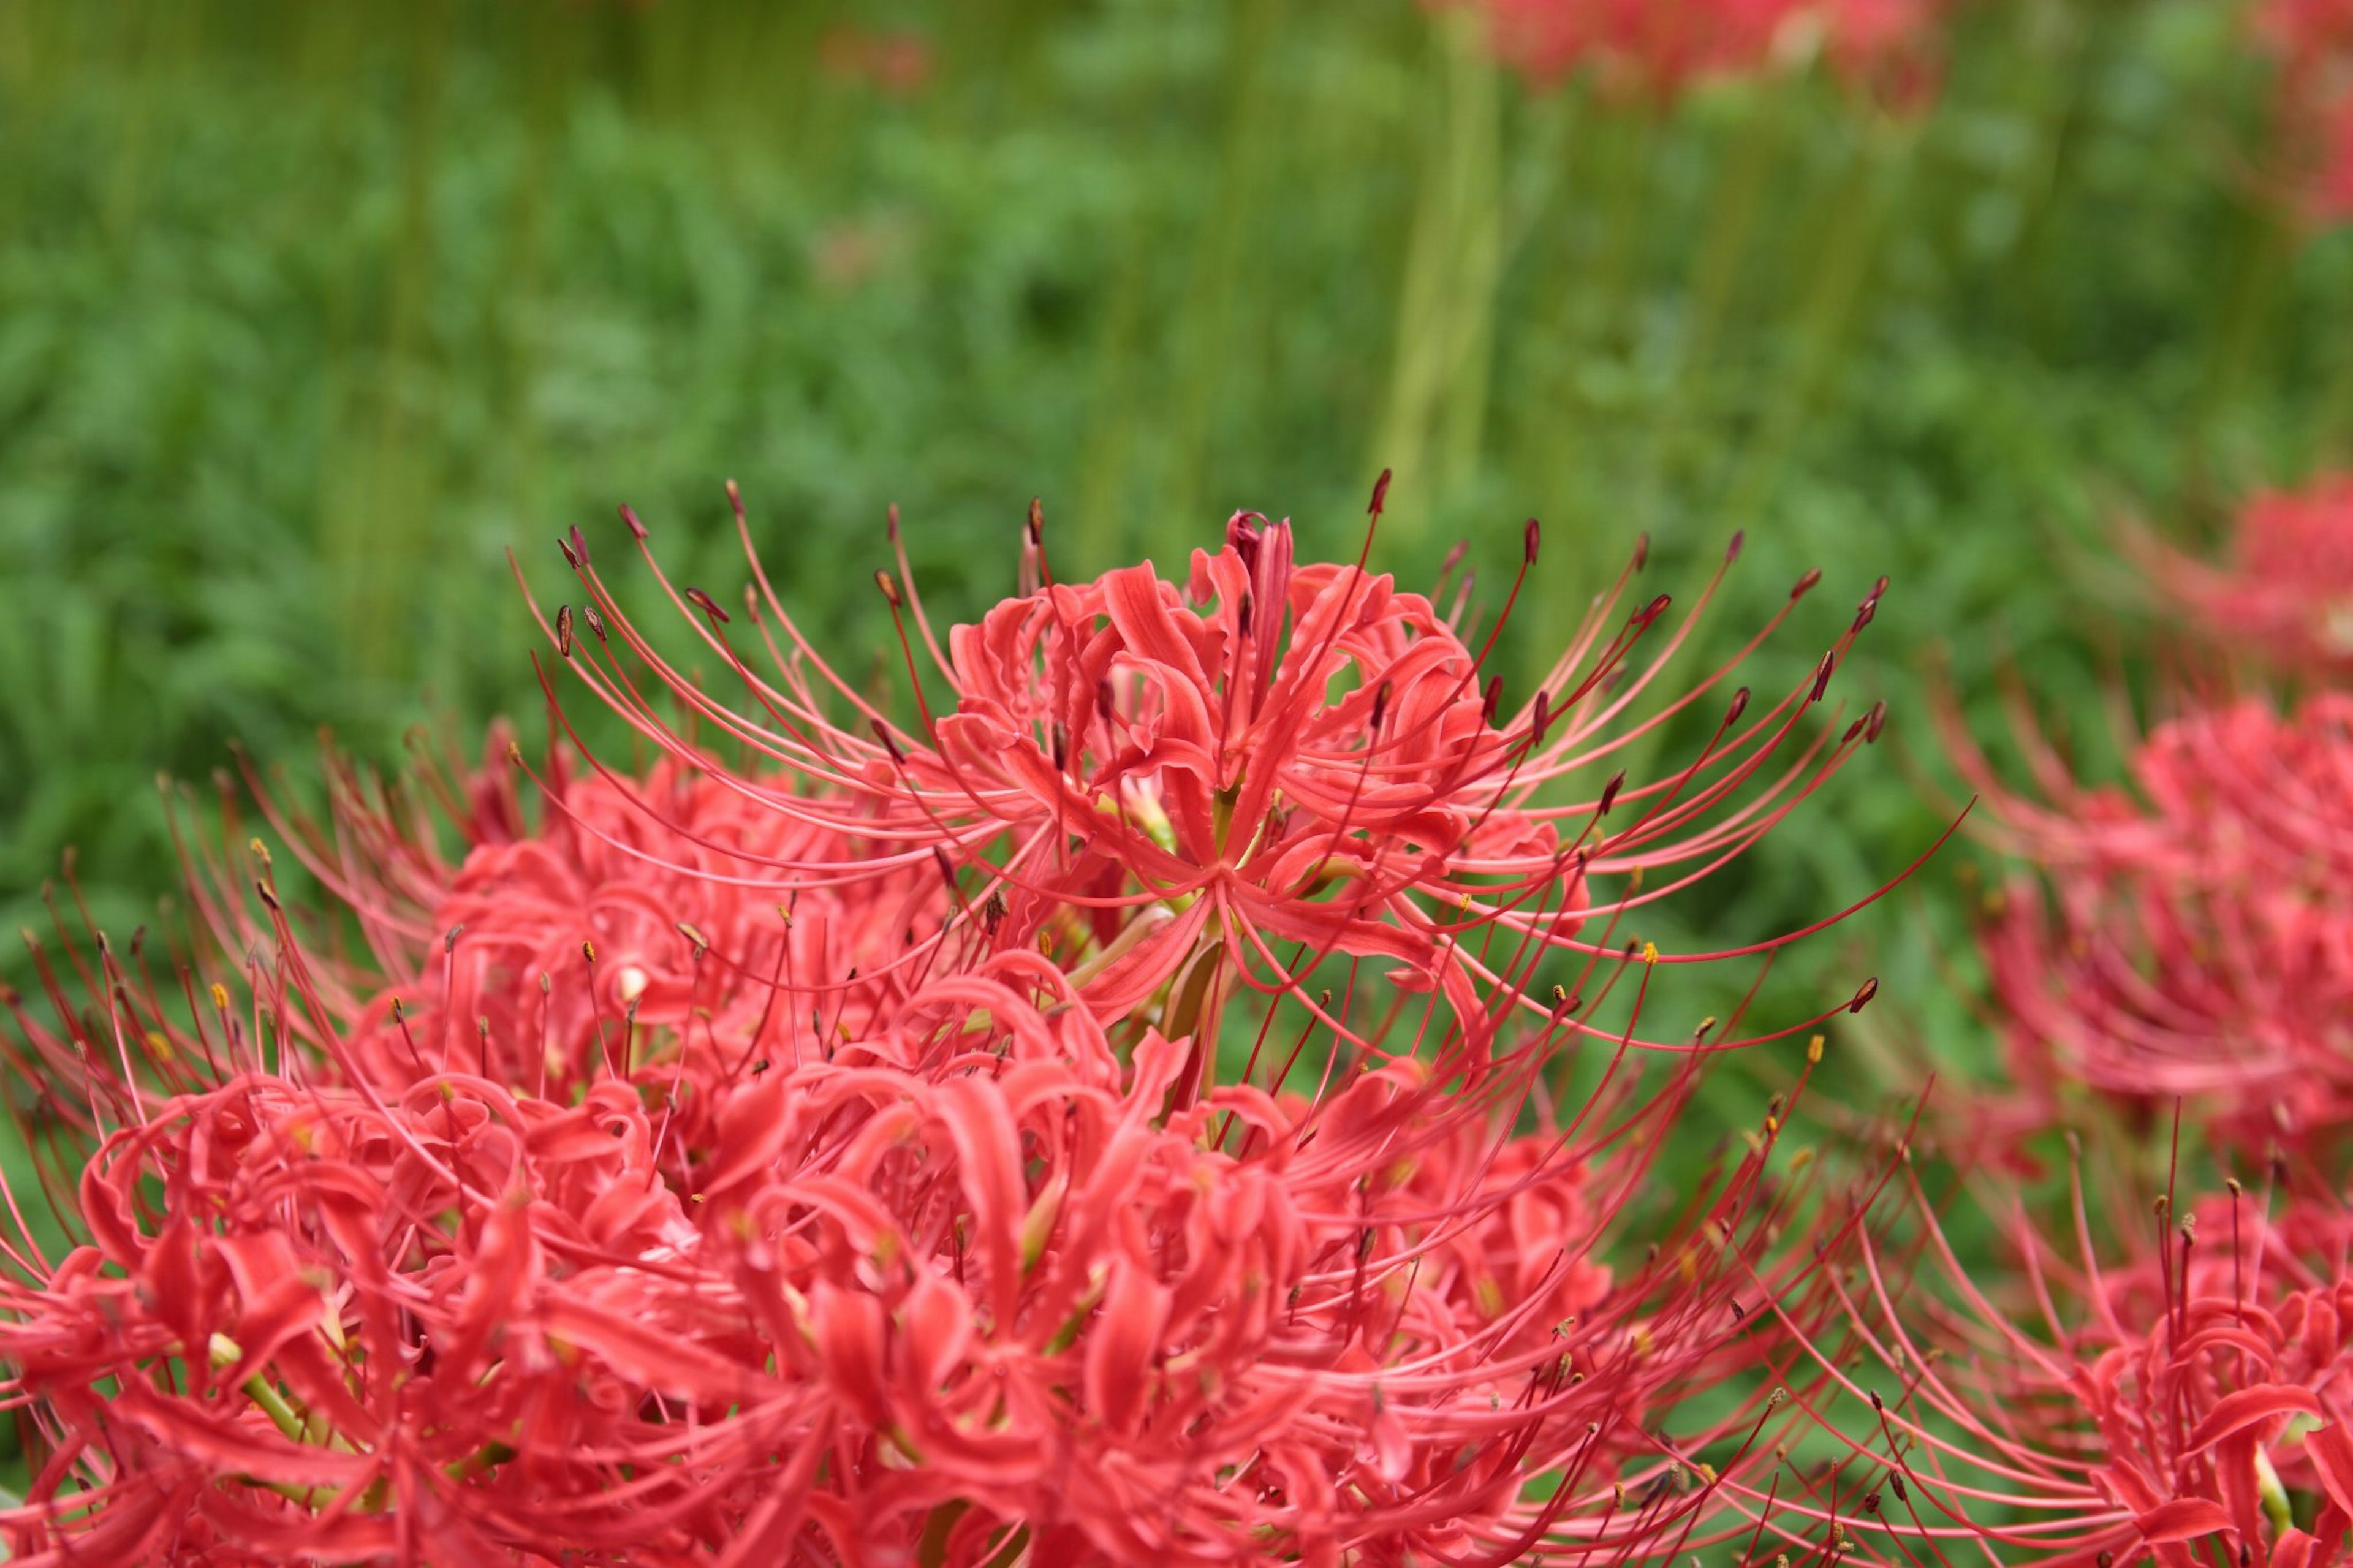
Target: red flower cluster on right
{"points": [[2163, 1379], [2196, 939]]}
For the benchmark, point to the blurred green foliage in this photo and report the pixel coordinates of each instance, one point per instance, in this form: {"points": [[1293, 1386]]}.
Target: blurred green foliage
{"points": [[308, 313]]}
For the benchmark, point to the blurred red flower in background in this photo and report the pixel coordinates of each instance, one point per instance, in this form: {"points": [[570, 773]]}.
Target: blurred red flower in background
{"points": [[2312, 41], [2285, 590], [2197, 939], [897, 63], [1664, 45]]}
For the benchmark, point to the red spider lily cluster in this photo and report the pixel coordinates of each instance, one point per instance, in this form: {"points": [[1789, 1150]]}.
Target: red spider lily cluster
{"points": [[1182, 1084], [1660, 46], [2174, 1383]]}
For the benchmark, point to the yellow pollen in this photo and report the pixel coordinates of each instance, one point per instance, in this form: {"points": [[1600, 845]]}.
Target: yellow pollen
{"points": [[1814, 1049], [220, 995], [1650, 952]]}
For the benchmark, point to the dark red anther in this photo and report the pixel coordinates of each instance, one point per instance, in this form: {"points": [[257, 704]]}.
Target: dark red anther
{"points": [[1037, 520], [1822, 676], [1739, 706], [1649, 614], [1875, 721], [596, 622], [1609, 793], [563, 630], [1806, 584], [1863, 993], [947, 868], [890, 744], [450, 939], [1642, 550], [1380, 493], [706, 604], [579, 551], [890, 586], [891, 524], [1380, 706], [735, 500], [1493, 699], [1731, 550], [629, 516], [570, 559], [1531, 536], [1103, 706], [1243, 617], [1542, 719], [1852, 729], [1869, 607]]}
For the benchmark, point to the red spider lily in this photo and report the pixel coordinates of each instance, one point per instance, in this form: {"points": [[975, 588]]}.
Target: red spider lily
{"points": [[2287, 591], [834, 1155], [2190, 1403], [1159, 785], [2198, 942], [1663, 45]]}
